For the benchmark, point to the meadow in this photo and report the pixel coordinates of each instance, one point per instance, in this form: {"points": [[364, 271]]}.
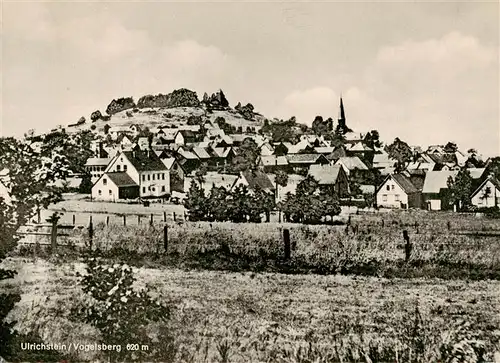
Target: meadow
{"points": [[269, 317]]}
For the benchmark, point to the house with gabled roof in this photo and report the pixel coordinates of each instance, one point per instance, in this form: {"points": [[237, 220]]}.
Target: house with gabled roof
{"points": [[487, 194], [434, 189], [254, 180], [351, 164], [300, 163], [332, 176], [146, 169], [397, 191], [188, 160], [114, 186], [96, 167], [273, 163]]}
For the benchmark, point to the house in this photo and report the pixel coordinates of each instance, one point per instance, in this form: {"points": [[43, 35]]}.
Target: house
{"points": [[212, 179], [272, 163], [325, 150], [331, 176], [351, 164], [300, 163], [188, 160], [397, 191], [281, 149], [177, 174], [222, 156], [266, 149], [146, 169], [383, 161], [125, 141], [434, 189], [143, 143], [112, 186], [96, 167], [254, 180], [487, 194]]}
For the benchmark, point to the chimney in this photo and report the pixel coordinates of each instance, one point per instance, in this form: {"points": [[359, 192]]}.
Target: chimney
{"points": [[133, 153]]}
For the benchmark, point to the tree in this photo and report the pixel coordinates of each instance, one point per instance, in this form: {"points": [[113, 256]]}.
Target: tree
{"points": [[96, 115], [247, 156], [196, 203], [321, 127], [400, 151], [86, 184], [451, 147], [460, 189], [280, 180], [372, 139]]}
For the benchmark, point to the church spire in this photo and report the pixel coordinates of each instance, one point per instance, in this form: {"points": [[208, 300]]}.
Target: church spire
{"points": [[342, 112]]}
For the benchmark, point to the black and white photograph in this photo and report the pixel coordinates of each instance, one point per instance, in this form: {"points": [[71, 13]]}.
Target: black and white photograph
{"points": [[250, 181]]}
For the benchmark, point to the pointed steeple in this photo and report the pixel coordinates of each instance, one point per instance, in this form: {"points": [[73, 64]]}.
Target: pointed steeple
{"points": [[342, 112]]}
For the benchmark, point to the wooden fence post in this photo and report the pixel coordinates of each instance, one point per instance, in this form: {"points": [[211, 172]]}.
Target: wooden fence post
{"points": [[124, 220], [279, 216], [74, 219], [138, 219], [91, 234], [151, 221], [107, 220], [53, 236], [286, 240], [165, 238], [408, 246], [164, 216], [174, 216]]}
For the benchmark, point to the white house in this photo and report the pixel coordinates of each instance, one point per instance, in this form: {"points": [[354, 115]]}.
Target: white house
{"points": [[434, 184], [487, 194], [397, 191], [113, 186], [146, 169], [96, 166]]}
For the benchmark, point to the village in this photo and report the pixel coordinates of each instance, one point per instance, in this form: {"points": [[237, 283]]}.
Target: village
{"points": [[134, 163]]}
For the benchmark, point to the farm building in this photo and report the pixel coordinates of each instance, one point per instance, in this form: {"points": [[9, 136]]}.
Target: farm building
{"points": [[146, 169], [397, 191], [331, 175], [113, 186], [487, 194], [434, 189]]}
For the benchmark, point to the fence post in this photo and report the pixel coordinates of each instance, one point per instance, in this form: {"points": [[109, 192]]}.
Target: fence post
{"points": [[151, 221], [124, 220], [53, 236], [286, 240], [408, 246], [185, 216], [74, 219], [165, 238], [91, 233], [164, 216], [174, 216], [279, 216], [138, 219], [107, 220]]}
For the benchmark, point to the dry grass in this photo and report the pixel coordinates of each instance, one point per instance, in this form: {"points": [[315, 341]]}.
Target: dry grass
{"points": [[247, 317]]}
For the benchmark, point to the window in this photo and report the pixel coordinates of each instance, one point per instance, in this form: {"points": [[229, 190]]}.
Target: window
{"points": [[175, 166], [143, 177], [153, 177], [163, 188], [153, 189], [396, 197], [110, 192], [149, 177], [384, 198], [388, 187], [121, 159], [163, 176], [124, 167], [104, 181], [99, 192], [144, 189], [118, 168], [392, 187]]}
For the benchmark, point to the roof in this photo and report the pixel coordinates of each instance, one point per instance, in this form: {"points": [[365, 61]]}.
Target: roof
{"points": [[367, 189], [303, 158], [352, 162], [97, 161], [325, 174], [403, 181], [121, 179], [221, 152], [144, 160], [201, 152], [187, 154], [187, 133], [437, 180], [337, 153], [258, 179], [270, 160], [360, 147], [168, 162], [324, 149], [476, 173], [491, 179]]}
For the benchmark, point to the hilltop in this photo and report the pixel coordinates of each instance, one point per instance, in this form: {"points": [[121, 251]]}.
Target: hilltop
{"points": [[174, 110]]}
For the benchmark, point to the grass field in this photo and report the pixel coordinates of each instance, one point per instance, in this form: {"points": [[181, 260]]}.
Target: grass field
{"points": [[247, 317]]}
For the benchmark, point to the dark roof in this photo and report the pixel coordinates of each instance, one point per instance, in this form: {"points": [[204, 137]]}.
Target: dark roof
{"points": [[145, 160], [121, 179], [491, 179], [258, 179], [337, 153], [405, 183], [187, 133]]}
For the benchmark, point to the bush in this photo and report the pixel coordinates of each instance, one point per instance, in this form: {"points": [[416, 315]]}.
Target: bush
{"points": [[121, 313]]}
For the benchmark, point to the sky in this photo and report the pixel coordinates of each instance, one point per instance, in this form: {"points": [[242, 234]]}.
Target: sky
{"points": [[426, 72]]}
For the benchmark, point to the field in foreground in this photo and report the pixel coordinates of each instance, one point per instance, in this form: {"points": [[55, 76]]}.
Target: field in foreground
{"points": [[248, 317]]}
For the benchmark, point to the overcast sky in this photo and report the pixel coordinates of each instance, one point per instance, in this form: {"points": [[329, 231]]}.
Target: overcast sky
{"points": [[426, 72]]}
